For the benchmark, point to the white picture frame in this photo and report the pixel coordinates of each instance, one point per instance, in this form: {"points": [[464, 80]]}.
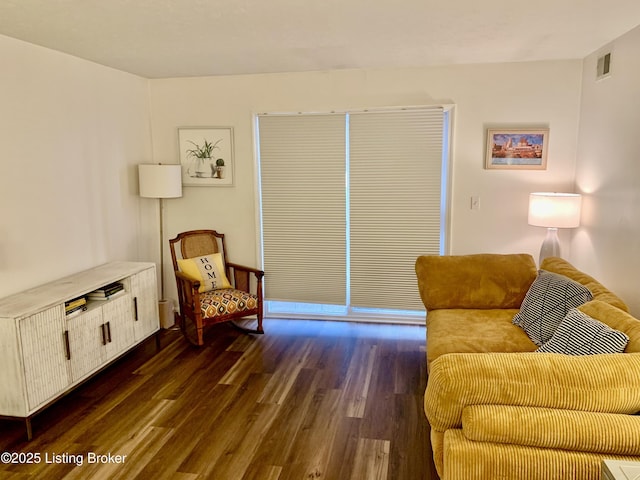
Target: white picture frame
{"points": [[517, 149], [206, 172]]}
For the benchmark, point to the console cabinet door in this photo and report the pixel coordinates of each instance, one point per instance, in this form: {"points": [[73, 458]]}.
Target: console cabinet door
{"points": [[44, 349], [116, 318], [85, 343], [145, 293]]}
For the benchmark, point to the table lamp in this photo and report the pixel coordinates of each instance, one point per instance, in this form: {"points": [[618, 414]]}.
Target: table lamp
{"points": [[553, 210]]}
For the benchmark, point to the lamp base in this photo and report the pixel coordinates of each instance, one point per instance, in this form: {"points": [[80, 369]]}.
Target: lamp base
{"points": [[551, 245], [165, 309]]}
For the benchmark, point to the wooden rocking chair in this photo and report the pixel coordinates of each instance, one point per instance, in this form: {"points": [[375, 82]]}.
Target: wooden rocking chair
{"points": [[210, 288]]}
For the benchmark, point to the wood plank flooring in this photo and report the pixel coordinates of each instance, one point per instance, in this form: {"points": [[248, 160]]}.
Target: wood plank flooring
{"points": [[308, 400]]}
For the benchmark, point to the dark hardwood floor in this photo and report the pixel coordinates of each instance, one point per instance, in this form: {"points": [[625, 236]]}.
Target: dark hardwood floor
{"points": [[308, 400]]}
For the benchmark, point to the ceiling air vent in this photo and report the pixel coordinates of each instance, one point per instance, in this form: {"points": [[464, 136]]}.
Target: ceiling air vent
{"points": [[604, 66]]}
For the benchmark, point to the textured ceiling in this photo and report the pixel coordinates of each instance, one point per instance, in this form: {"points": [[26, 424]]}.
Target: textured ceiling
{"points": [[177, 38]]}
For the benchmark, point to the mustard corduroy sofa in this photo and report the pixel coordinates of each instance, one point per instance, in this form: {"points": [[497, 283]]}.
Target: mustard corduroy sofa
{"points": [[498, 409]]}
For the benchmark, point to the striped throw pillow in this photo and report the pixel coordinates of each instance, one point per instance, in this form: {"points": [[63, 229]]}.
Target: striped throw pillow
{"points": [[579, 334]]}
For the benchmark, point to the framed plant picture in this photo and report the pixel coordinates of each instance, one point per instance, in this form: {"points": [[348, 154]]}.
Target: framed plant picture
{"points": [[206, 156], [521, 149]]}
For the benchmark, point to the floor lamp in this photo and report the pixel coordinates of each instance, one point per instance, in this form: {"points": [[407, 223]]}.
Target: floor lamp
{"points": [[161, 181], [553, 210]]}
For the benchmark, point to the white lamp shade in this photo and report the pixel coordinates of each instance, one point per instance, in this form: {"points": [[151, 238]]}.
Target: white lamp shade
{"points": [[554, 210], [160, 181]]}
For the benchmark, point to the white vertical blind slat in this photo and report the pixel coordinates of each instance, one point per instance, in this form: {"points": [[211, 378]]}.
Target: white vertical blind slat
{"points": [[395, 203], [302, 168]]}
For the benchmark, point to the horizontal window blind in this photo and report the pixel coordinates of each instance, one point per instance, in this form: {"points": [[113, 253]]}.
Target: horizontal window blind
{"points": [[302, 172], [349, 201], [395, 172]]}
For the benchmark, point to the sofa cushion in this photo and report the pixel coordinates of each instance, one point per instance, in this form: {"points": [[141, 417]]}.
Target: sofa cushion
{"points": [[547, 302], [474, 331], [547, 428], [483, 280], [579, 334], [599, 291], [591, 383]]}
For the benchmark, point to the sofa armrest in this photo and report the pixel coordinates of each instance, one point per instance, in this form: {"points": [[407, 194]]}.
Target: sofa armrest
{"points": [[607, 433], [474, 281], [596, 383], [616, 319]]}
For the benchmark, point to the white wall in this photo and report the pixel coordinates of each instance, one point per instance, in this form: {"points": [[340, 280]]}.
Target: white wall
{"points": [[71, 135], [608, 171], [508, 95]]}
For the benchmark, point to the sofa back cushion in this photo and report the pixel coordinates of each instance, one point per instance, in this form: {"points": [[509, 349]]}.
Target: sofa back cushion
{"points": [[599, 291], [479, 281]]}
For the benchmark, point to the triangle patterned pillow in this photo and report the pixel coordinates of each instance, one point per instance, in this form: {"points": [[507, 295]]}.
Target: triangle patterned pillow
{"points": [[547, 302]]}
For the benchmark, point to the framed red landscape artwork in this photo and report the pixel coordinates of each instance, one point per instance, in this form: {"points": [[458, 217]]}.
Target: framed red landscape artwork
{"points": [[522, 149]]}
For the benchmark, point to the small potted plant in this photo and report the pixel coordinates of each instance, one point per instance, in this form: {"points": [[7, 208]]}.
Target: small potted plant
{"points": [[220, 168], [202, 158]]}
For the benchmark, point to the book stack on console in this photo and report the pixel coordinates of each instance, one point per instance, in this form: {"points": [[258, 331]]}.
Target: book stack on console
{"points": [[75, 306], [107, 292]]}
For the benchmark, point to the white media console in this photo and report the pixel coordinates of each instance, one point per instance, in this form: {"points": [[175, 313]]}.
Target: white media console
{"points": [[45, 352]]}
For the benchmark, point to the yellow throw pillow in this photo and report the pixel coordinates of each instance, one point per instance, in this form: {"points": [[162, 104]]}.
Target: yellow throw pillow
{"points": [[208, 269]]}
